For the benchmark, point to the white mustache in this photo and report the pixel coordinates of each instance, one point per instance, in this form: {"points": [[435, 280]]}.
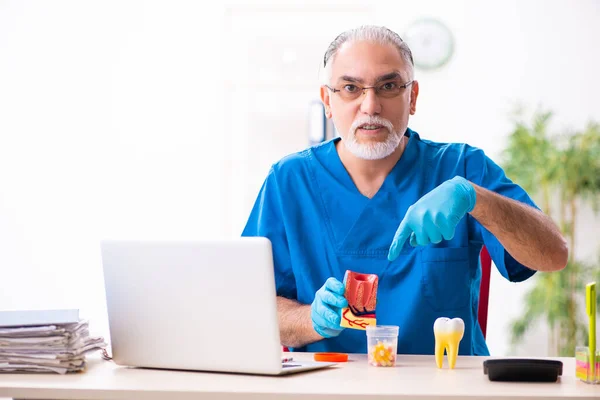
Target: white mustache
{"points": [[373, 120]]}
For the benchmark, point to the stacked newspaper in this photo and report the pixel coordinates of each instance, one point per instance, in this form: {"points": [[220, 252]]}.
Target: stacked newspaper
{"points": [[57, 348]]}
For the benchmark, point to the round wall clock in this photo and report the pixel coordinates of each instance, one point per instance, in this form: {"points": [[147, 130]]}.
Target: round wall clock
{"points": [[431, 43]]}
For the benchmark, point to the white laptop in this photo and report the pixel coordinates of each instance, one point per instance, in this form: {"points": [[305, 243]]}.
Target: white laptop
{"points": [[196, 305]]}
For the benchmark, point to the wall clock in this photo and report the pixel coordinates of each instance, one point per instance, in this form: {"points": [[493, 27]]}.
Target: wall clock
{"points": [[431, 43]]}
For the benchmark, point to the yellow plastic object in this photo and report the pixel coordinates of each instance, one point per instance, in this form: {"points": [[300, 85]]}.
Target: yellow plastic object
{"points": [[448, 334], [590, 309], [349, 320], [448, 342], [382, 355]]}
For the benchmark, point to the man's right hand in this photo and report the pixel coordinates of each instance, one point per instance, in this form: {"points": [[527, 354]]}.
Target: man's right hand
{"points": [[325, 310]]}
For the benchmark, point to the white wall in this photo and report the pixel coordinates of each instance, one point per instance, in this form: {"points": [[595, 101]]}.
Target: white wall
{"points": [[136, 119], [111, 126]]}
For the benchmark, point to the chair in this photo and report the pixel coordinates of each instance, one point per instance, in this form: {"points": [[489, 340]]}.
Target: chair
{"points": [[484, 289]]}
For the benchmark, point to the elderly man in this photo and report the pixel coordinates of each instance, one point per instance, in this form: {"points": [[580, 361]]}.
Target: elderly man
{"points": [[382, 200]]}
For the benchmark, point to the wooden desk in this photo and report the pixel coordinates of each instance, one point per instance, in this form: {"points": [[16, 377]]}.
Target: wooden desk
{"points": [[414, 377]]}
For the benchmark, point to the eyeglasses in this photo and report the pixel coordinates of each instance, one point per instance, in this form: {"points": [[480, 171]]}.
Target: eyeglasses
{"points": [[386, 90]]}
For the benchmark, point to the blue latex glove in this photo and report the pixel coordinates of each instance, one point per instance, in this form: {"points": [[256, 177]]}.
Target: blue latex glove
{"points": [[435, 215], [326, 309]]}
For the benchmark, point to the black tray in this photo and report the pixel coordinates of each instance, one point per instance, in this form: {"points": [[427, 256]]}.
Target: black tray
{"points": [[522, 370]]}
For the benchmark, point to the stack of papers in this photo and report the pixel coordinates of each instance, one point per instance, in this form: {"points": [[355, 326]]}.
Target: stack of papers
{"points": [[59, 348]]}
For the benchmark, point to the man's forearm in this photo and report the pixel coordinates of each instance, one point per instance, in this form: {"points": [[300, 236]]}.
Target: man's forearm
{"points": [[526, 233], [295, 324]]}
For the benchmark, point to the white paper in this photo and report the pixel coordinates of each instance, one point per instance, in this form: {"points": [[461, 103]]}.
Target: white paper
{"points": [[52, 348], [20, 318]]}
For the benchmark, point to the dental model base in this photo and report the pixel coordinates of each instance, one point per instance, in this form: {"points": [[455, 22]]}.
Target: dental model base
{"points": [[448, 334], [361, 293]]}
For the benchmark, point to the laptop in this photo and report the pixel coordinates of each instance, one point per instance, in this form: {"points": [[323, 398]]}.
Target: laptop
{"points": [[195, 305]]}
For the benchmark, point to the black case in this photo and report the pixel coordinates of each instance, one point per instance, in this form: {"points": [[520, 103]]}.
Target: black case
{"points": [[522, 370]]}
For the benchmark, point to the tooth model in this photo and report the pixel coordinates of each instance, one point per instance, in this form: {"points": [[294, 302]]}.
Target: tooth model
{"points": [[448, 334], [361, 293]]}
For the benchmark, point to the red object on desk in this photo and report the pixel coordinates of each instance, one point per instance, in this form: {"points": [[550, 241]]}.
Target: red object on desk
{"points": [[331, 357]]}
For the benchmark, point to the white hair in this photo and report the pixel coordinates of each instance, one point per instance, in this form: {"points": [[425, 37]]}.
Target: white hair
{"points": [[372, 151], [371, 33]]}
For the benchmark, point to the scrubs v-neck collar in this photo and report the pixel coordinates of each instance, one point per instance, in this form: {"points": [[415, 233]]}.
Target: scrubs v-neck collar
{"points": [[392, 182]]}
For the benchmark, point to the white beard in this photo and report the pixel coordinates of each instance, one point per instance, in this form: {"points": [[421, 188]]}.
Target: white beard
{"points": [[375, 150]]}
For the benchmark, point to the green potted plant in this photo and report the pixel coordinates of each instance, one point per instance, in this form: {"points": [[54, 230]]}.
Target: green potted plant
{"points": [[562, 173]]}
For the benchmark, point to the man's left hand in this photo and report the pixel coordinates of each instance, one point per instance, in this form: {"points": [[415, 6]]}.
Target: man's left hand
{"points": [[435, 215]]}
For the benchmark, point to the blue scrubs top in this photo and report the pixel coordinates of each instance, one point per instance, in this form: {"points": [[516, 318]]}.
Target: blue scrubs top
{"points": [[320, 225]]}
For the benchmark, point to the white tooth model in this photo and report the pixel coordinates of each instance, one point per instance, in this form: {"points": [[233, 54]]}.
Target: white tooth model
{"points": [[448, 334]]}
